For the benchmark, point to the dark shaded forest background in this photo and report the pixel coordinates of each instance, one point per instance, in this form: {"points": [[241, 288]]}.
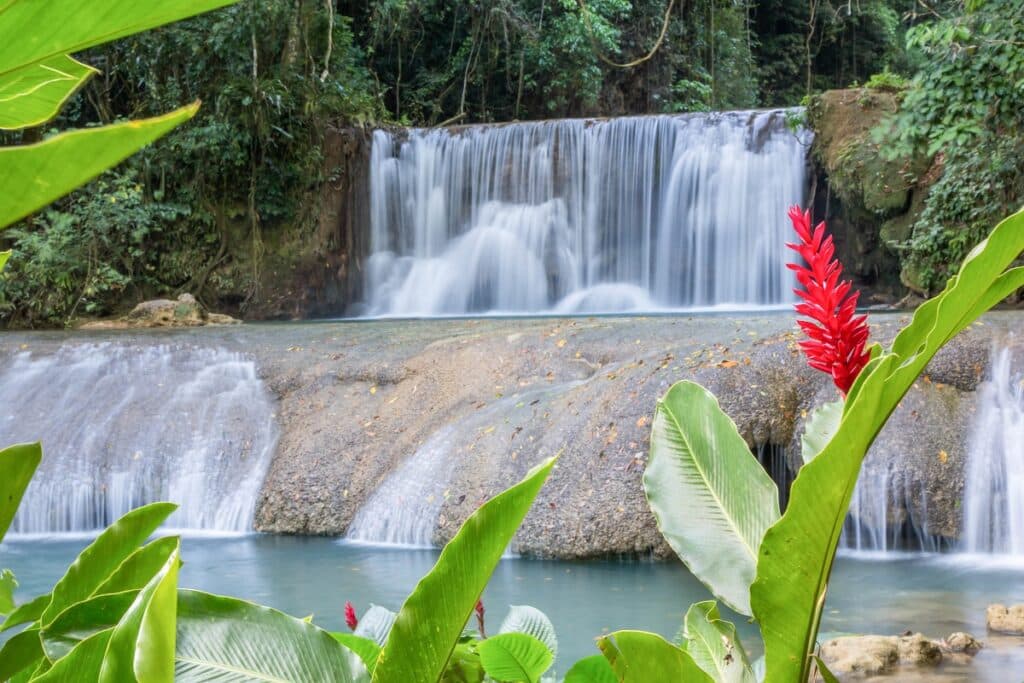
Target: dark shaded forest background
{"points": [[199, 211]]}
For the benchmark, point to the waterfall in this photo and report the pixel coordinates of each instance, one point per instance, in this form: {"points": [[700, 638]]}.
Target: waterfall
{"points": [[627, 214], [994, 486], [122, 426]]}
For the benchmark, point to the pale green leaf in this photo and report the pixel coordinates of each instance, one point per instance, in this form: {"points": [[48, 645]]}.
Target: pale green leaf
{"points": [[714, 645], [376, 624], [35, 175], [531, 621], [141, 566], [225, 639], [431, 620], [819, 429], [640, 657], [84, 619], [7, 585], [514, 657], [711, 498], [34, 94], [81, 664], [103, 556], [26, 612], [366, 649], [22, 651]]}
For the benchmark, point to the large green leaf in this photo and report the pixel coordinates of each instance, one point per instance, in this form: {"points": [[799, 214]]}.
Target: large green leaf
{"points": [[103, 556], [713, 501], [714, 645], [376, 624], [81, 664], [515, 657], [18, 464], [224, 639], [47, 28], [84, 619], [797, 553], [821, 426], [23, 650], [431, 620], [33, 94], [34, 175], [26, 612], [594, 669], [530, 620], [364, 648], [640, 657], [141, 646], [141, 566]]}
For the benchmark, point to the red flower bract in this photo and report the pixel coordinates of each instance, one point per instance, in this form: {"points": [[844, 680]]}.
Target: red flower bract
{"points": [[836, 337], [350, 616]]}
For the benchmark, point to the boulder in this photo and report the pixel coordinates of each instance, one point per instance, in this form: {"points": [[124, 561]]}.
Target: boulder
{"points": [[871, 655], [183, 312], [1002, 619]]}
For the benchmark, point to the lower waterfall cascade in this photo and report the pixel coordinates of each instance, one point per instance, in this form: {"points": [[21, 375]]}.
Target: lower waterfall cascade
{"points": [[580, 216], [122, 426], [994, 483]]}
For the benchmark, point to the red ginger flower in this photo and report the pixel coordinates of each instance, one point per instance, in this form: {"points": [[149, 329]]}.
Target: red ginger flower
{"points": [[836, 338], [479, 609], [350, 616]]}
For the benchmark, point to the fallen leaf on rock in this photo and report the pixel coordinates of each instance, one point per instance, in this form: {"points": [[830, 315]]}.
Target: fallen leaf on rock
{"points": [[728, 364]]}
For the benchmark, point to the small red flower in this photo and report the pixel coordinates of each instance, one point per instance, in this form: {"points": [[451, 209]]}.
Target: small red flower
{"points": [[350, 616], [479, 609], [836, 337]]}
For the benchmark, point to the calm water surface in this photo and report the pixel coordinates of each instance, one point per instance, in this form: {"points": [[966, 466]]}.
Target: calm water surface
{"points": [[933, 594]]}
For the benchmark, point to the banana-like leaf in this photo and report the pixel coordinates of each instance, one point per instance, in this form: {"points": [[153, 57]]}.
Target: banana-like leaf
{"points": [[7, 585], [18, 463], [33, 94], [26, 612], [84, 619], [641, 657], [81, 664], [430, 622], [228, 639], [714, 645], [34, 175], [141, 566], [366, 649], [103, 556], [515, 657], [22, 651], [594, 669], [376, 624], [819, 429], [141, 646], [531, 621], [58, 27], [711, 498], [797, 553]]}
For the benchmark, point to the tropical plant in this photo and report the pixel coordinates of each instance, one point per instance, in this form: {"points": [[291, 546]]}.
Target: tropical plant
{"points": [[718, 509]]}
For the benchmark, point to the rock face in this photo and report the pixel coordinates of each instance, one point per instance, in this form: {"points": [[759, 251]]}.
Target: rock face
{"points": [[358, 399], [184, 312], [1002, 619], [855, 657], [870, 201]]}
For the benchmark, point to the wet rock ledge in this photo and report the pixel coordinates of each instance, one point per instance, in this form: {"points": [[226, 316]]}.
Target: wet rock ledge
{"points": [[357, 399]]}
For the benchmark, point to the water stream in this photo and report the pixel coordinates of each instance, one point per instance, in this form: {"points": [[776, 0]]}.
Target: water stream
{"points": [[127, 425], [636, 213]]}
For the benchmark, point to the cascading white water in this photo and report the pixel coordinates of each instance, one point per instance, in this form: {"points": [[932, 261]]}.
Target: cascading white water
{"points": [[122, 426], [634, 213], [994, 485], [872, 525]]}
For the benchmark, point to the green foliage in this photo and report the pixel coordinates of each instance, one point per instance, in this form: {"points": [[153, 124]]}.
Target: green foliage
{"points": [[639, 657], [431, 620], [711, 498], [18, 464], [514, 657], [965, 102], [819, 429], [887, 80], [593, 669], [714, 645]]}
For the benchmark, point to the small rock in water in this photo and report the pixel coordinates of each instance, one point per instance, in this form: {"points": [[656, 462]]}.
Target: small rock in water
{"points": [[185, 312], [961, 642], [1004, 619], [870, 655]]}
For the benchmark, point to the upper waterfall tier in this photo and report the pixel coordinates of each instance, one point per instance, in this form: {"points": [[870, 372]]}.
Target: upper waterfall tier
{"points": [[122, 426], [640, 213]]}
